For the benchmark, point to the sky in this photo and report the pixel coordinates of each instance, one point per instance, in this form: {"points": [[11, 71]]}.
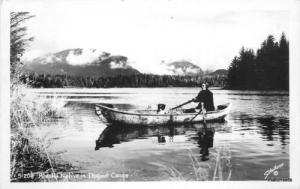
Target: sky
{"points": [[209, 33]]}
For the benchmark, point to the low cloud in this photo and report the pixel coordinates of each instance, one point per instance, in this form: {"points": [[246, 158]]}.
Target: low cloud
{"points": [[115, 65], [86, 56], [32, 54]]}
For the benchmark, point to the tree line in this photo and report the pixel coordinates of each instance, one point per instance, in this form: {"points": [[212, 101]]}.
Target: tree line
{"points": [[138, 80], [266, 69]]}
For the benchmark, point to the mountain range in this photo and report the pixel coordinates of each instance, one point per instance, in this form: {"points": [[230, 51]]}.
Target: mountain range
{"points": [[81, 62], [95, 63]]}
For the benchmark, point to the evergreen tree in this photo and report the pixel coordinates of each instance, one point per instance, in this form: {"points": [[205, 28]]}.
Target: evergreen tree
{"points": [[18, 40], [268, 69]]}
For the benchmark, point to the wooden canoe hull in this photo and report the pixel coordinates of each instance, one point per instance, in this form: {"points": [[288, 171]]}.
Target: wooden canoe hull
{"points": [[133, 118]]}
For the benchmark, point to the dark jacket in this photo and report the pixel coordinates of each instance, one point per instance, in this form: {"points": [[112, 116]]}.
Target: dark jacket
{"points": [[207, 98]]}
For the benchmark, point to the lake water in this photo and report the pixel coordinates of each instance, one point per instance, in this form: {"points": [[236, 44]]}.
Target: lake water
{"points": [[253, 139]]}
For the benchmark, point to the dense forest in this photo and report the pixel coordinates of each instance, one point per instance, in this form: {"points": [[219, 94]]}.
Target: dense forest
{"points": [[138, 80], [266, 69]]}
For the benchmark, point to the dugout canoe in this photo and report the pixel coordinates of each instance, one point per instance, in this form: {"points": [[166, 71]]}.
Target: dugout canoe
{"points": [[150, 117]]}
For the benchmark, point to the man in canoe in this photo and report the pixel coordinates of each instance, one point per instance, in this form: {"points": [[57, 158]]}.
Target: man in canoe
{"points": [[205, 99]]}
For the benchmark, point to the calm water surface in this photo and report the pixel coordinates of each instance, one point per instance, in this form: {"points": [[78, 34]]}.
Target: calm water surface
{"points": [[253, 139]]}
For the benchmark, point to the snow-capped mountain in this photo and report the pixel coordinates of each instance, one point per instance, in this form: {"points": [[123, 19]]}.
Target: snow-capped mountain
{"points": [[183, 68], [95, 63], [82, 62]]}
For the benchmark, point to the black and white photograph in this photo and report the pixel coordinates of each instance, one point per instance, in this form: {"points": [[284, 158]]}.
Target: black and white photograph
{"points": [[149, 90]]}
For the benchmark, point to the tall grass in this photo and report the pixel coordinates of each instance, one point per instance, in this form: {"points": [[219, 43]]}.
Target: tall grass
{"points": [[222, 159], [29, 150], [217, 169]]}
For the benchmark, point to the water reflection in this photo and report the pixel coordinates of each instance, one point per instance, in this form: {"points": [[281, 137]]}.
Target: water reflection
{"points": [[274, 127], [269, 127], [205, 141], [171, 132], [117, 134]]}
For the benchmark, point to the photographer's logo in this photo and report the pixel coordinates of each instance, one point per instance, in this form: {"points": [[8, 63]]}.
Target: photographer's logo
{"points": [[273, 170]]}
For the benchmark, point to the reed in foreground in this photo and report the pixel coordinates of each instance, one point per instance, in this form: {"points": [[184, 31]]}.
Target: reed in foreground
{"points": [[217, 169], [30, 157]]}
